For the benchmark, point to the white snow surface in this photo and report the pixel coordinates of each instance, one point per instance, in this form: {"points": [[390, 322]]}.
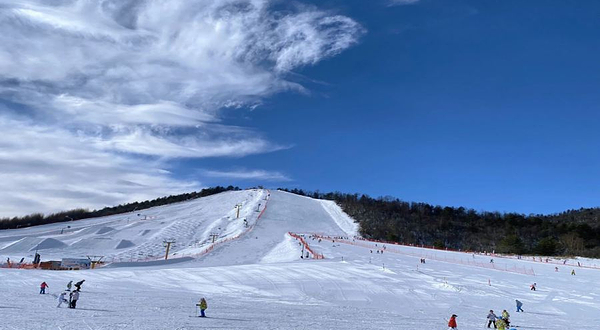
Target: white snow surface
{"points": [[345, 222], [257, 281]]}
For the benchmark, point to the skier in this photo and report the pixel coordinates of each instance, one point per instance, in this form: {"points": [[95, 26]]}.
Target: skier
{"points": [[533, 286], [78, 284], [43, 287], [452, 323], [203, 305], [69, 285], [506, 317], [62, 299], [556, 269], [519, 305], [491, 319], [573, 272], [74, 296]]}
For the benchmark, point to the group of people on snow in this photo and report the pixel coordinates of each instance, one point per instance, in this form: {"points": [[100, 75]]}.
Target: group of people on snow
{"points": [[501, 322], [73, 295], [62, 298]]}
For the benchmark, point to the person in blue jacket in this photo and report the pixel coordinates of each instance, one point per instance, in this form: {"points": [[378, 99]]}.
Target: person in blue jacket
{"points": [[519, 305]]}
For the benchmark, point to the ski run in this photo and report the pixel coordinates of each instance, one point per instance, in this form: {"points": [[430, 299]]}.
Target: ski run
{"points": [[249, 269]]}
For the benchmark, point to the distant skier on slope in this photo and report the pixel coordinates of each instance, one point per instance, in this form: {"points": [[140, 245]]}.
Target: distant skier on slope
{"points": [[452, 323], [533, 286], [491, 319], [62, 299], [69, 285], [573, 272], [43, 287], [519, 305]]}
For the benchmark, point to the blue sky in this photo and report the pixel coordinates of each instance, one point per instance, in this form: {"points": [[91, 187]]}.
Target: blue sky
{"points": [[484, 104]]}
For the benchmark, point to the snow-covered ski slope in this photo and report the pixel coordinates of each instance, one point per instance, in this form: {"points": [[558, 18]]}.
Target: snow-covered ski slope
{"points": [[139, 236], [258, 282]]}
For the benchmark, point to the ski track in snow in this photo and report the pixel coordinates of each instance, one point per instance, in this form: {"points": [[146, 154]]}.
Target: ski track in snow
{"points": [[258, 282]]}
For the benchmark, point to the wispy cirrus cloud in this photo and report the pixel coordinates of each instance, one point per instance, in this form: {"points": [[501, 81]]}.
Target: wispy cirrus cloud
{"points": [[402, 2], [245, 174], [93, 87]]}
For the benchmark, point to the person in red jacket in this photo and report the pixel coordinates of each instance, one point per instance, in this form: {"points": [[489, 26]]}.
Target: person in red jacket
{"points": [[43, 287], [452, 323]]}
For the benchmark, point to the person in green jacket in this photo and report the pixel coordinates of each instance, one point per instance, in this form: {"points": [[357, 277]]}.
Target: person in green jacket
{"points": [[506, 317], [501, 324], [203, 305]]}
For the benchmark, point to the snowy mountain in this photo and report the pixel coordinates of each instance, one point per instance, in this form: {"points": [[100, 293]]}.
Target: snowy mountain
{"points": [[253, 277]]}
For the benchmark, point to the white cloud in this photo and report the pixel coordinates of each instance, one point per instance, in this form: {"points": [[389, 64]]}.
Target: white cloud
{"points": [[402, 2], [249, 175], [93, 87]]}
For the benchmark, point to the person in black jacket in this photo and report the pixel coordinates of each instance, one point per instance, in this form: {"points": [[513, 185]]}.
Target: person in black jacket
{"points": [[78, 284]]}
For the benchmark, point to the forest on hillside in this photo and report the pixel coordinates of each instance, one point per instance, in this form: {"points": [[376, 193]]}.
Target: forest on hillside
{"points": [[78, 214], [573, 232]]}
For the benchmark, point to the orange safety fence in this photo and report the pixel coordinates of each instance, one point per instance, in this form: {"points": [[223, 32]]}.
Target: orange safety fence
{"points": [[375, 246], [549, 260], [306, 246]]}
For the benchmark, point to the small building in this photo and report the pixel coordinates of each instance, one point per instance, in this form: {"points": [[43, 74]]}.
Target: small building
{"points": [[75, 263], [50, 265]]}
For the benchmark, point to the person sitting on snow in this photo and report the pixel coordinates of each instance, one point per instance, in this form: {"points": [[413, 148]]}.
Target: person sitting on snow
{"points": [[501, 324]]}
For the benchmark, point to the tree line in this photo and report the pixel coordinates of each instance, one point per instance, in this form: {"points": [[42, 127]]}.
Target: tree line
{"points": [[78, 214], [573, 232]]}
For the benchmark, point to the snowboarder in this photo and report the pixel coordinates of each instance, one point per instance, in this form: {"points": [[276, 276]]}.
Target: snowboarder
{"points": [[203, 305], [78, 284], [491, 319], [62, 299], [519, 305], [43, 287], [533, 286], [74, 296], [452, 323], [505, 317], [69, 285]]}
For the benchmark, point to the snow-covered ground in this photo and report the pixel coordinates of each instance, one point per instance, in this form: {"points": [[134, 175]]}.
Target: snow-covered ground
{"points": [[258, 281]]}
